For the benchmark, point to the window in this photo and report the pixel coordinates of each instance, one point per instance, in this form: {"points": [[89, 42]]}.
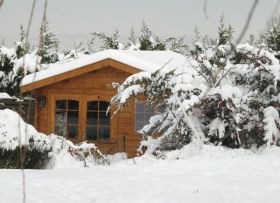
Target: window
{"points": [[67, 118], [142, 115], [98, 123]]}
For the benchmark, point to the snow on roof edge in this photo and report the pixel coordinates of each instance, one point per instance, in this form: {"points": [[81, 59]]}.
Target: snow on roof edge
{"points": [[57, 69]]}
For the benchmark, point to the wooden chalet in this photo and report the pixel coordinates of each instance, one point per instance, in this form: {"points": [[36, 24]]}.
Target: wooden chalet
{"points": [[72, 98]]}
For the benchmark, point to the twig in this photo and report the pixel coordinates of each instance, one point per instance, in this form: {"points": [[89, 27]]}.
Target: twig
{"points": [[21, 148], [200, 73], [30, 20], [244, 30], [1, 3], [233, 47], [205, 9]]}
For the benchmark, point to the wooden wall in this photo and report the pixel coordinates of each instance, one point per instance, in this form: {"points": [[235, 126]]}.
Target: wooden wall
{"points": [[123, 137]]}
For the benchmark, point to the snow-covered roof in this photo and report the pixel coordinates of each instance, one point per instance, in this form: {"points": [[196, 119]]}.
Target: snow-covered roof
{"points": [[142, 60]]}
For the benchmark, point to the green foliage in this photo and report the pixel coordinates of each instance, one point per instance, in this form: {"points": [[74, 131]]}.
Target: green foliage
{"points": [[22, 46], [48, 44], [215, 109], [132, 40], [271, 37], [33, 158], [109, 42], [148, 41], [179, 45], [224, 33], [6, 70], [145, 39]]}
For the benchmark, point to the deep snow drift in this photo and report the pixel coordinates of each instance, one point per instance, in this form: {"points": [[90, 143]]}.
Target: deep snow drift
{"points": [[215, 174]]}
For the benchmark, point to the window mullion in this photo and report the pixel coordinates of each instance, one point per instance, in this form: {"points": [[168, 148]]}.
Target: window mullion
{"points": [[98, 118], [66, 124]]}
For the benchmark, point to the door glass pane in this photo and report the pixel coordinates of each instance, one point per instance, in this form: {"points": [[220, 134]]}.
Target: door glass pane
{"points": [[98, 123], [60, 118], [103, 105], [104, 133], [91, 132], [67, 118], [104, 119], [73, 105], [73, 117], [60, 104], [92, 105], [92, 118], [72, 131], [60, 130]]}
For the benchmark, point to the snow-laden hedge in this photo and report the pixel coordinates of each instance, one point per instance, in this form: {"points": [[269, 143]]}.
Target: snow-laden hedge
{"points": [[38, 149]]}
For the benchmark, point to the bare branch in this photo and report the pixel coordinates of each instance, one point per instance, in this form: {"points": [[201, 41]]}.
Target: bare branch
{"points": [[205, 9], [30, 20], [248, 21], [22, 149], [1, 3]]}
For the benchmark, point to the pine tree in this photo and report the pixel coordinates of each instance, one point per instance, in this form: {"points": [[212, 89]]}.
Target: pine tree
{"points": [[6, 69], [21, 45], [109, 42], [251, 39], [179, 45], [132, 44], [224, 33], [271, 37], [48, 46], [146, 39]]}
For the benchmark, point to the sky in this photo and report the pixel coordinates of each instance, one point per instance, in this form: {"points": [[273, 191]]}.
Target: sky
{"points": [[72, 21]]}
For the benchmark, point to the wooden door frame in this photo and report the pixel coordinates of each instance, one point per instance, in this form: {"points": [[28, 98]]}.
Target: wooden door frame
{"points": [[83, 114]]}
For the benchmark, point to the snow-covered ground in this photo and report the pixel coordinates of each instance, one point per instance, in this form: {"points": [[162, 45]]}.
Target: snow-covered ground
{"points": [[215, 174]]}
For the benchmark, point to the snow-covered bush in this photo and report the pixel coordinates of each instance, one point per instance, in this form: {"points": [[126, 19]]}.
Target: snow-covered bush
{"points": [[227, 97], [165, 90], [39, 150], [240, 92], [16, 137], [82, 154]]}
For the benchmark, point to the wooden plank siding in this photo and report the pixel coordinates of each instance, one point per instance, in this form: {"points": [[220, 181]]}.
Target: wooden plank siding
{"points": [[89, 85]]}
